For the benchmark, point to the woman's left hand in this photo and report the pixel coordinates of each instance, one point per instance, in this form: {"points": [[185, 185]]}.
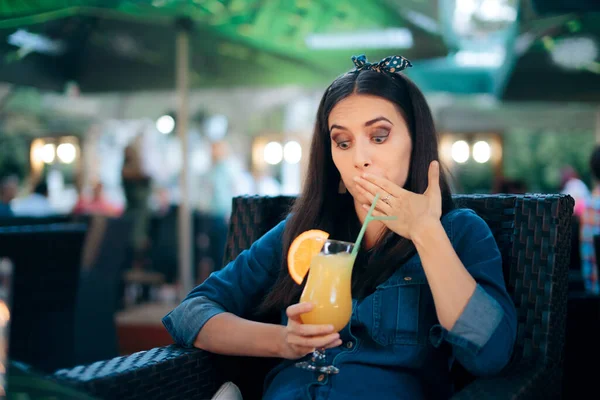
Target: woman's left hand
{"points": [[411, 210]]}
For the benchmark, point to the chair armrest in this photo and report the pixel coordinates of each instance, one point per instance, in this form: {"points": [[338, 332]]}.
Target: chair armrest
{"points": [[170, 372], [526, 381]]}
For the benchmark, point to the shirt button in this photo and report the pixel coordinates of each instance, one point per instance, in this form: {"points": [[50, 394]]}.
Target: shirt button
{"points": [[321, 377], [407, 278], [349, 345]]}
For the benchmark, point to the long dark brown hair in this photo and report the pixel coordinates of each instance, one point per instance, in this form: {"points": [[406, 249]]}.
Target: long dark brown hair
{"points": [[320, 206]]}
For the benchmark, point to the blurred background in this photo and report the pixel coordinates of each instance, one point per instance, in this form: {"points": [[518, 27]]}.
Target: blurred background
{"points": [[140, 120]]}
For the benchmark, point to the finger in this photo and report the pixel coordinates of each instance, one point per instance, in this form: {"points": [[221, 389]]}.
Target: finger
{"points": [[433, 176], [382, 183], [302, 350], [375, 213], [363, 186], [293, 312], [371, 187], [333, 344], [316, 342], [378, 208], [312, 342], [312, 330], [381, 205]]}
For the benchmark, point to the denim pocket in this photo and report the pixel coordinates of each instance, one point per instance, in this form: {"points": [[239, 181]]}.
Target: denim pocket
{"points": [[396, 305]]}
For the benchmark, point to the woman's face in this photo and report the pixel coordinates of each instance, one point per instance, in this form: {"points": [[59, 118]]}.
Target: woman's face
{"points": [[369, 134]]}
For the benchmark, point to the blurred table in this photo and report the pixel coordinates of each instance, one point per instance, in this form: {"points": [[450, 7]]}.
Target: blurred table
{"points": [[140, 327]]}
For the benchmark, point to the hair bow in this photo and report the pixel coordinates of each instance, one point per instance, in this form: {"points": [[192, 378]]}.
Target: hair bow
{"points": [[391, 64]]}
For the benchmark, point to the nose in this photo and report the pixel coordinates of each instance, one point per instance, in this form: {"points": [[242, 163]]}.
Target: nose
{"points": [[362, 156]]}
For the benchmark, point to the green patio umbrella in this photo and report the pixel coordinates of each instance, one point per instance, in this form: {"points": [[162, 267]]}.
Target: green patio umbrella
{"points": [[126, 45], [234, 42]]}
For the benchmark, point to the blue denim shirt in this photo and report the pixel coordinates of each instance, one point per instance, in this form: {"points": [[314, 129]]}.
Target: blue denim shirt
{"points": [[394, 346]]}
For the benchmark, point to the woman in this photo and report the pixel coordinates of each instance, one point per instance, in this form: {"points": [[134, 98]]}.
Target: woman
{"points": [[427, 287], [590, 227], [137, 187]]}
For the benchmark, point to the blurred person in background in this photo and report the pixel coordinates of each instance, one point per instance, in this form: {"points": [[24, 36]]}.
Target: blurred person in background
{"points": [[572, 185], [9, 186], [221, 180], [97, 204], [590, 226], [265, 184], [34, 205], [160, 201], [137, 186]]}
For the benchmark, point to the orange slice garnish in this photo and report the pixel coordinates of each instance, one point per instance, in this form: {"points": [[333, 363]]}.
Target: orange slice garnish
{"points": [[302, 250]]}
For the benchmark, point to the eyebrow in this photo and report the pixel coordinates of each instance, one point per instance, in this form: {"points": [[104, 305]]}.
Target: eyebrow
{"points": [[368, 123]]}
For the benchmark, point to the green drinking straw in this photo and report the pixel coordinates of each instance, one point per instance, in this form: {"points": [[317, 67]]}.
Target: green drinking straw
{"points": [[364, 226]]}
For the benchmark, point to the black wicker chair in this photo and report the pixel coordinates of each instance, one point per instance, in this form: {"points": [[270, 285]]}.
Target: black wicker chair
{"points": [[23, 220], [46, 262], [533, 234]]}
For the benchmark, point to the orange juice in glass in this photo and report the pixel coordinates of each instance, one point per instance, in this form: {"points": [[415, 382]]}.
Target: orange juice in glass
{"points": [[328, 287]]}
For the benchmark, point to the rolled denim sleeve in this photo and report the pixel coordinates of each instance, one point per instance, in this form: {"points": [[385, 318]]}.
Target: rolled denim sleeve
{"points": [[238, 288], [185, 321], [483, 337]]}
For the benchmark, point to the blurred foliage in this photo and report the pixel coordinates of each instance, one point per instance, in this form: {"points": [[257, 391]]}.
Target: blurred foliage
{"points": [[473, 177], [14, 155], [25, 100], [534, 157], [538, 157]]}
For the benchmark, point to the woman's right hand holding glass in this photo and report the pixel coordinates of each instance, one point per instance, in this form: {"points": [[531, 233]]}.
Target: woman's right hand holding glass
{"points": [[301, 339]]}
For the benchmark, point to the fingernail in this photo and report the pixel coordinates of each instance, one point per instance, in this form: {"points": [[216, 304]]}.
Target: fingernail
{"points": [[357, 178], [365, 175], [330, 327]]}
